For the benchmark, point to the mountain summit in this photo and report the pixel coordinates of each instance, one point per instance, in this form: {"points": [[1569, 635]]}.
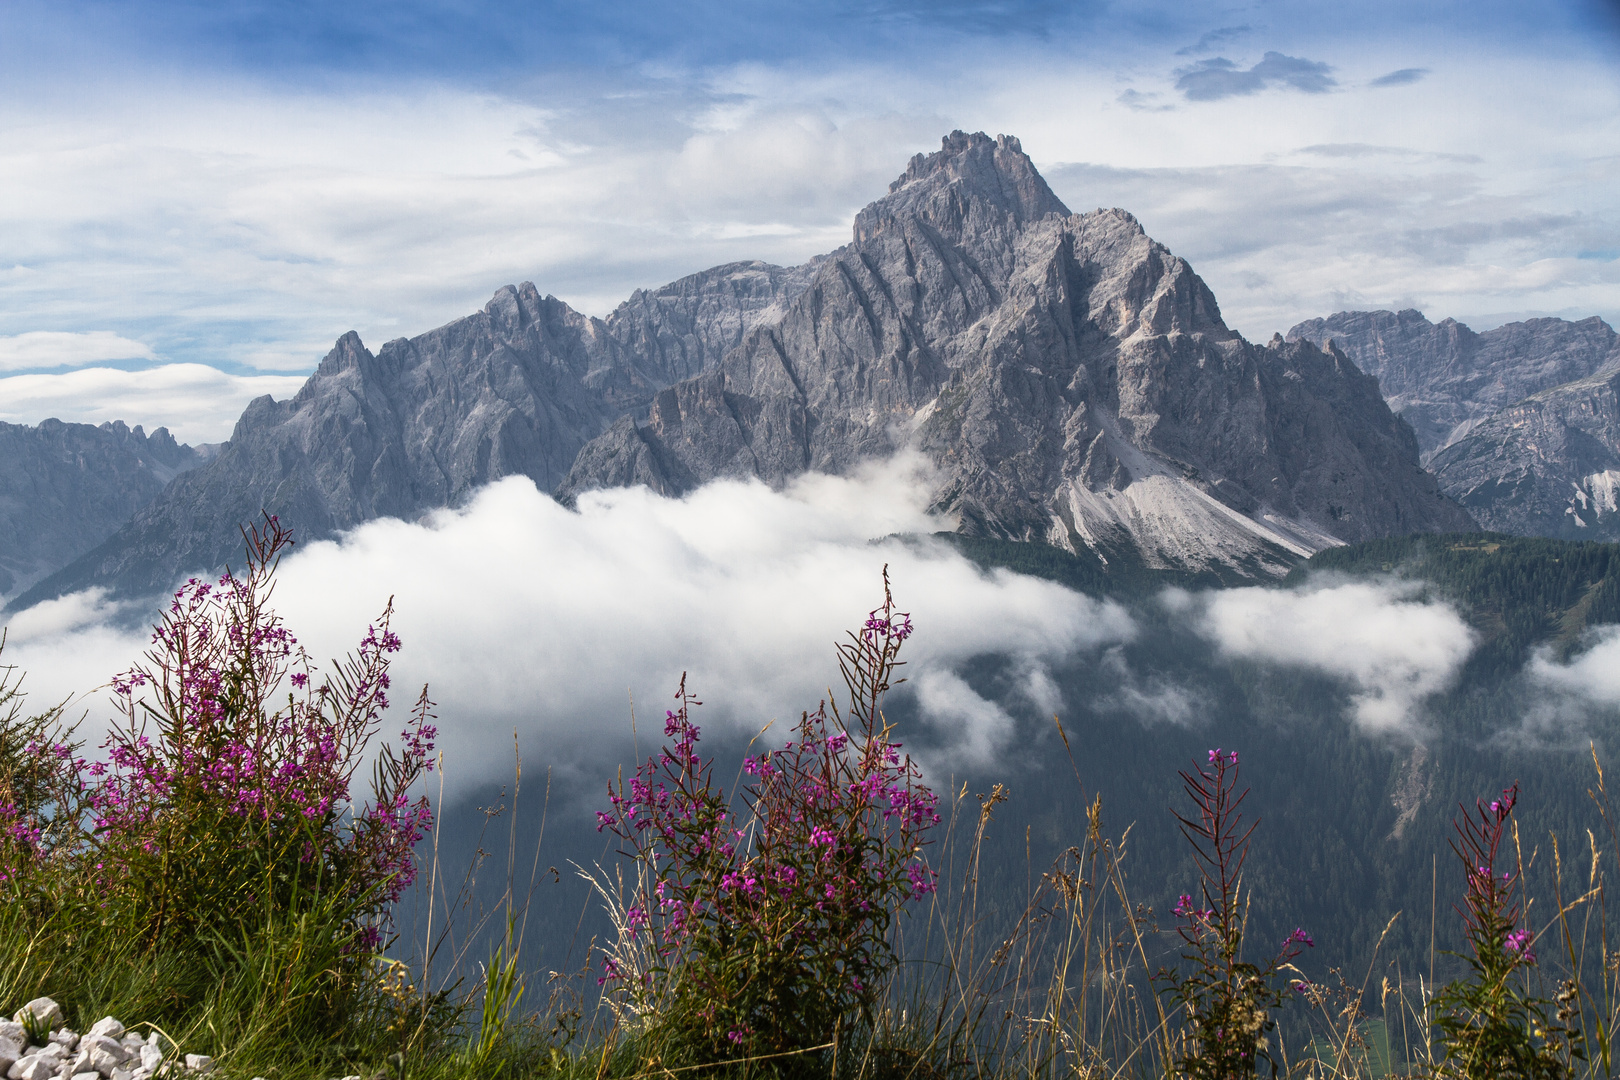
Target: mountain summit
{"points": [[1072, 379]]}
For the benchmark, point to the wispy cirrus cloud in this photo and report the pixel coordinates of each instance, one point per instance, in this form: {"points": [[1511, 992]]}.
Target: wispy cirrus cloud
{"points": [[1214, 38]]}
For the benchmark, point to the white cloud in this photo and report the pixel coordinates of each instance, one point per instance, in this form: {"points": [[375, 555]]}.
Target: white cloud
{"points": [[525, 616], [1152, 699], [1569, 693], [56, 348], [195, 402], [1391, 647], [1593, 674], [237, 223]]}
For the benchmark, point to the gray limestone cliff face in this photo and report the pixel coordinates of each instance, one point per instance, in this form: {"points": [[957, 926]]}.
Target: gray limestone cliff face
{"points": [[1444, 378], [684, 328], [1545, 466], [515, 389], [1071, 377], [64, 488]]}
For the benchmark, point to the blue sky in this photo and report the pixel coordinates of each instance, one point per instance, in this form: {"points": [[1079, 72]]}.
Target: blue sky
{"points": [[200, 197]]}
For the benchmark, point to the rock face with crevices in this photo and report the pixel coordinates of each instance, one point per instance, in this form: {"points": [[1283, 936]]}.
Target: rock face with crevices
{"points": [[1545, 466], [685, 327], [1071, 377], [64, 488], [1072, 380], [1519, 424], [1444, 379], [515, 389]]}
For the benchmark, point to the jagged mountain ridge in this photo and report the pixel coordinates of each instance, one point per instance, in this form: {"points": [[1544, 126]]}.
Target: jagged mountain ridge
{"points": [[66, 487], [516, 388], [1522, 422], [1072, 377], [1545, 466], [1444, 378]]}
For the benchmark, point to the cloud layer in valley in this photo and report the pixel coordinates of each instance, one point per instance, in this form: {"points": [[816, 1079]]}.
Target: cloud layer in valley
{"points": [[1572, 691], [1393, 648], [527, 617]]}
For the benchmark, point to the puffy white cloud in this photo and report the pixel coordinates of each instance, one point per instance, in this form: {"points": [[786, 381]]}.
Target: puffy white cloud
{"points": [[237, 222], [1593, 674], [1569, 693], [527, 617], [57, 348], [1393, 648], [197, 403]]}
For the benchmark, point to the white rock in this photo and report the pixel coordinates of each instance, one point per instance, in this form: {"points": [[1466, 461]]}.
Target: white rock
{"points": [[107, 1026], [64, 1038], [10, 1029], [86, 1076], [55, 1051], [44, 1009], [151, 1057], [105, 1054], [141, 1074], [33, 1067], [122, 1073], [10, 1050], [199, 1063]]}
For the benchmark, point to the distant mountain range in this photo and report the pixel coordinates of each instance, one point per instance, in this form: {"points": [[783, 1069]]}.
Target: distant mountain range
{"points": [[1070, 377], [1520, 424], [64, 488]]}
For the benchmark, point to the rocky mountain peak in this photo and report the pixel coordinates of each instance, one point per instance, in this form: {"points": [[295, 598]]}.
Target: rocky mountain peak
{"points": [[1070, 377], [348, 352], [971, 182]]}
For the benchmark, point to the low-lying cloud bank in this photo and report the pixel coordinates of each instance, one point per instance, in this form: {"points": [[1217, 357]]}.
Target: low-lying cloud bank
{"points": [[529, 618], [1391, 647], [525, 616], [1573, 690]]}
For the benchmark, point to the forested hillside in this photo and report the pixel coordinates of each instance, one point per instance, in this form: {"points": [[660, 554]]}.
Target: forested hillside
{"points": [[1332, 852]]}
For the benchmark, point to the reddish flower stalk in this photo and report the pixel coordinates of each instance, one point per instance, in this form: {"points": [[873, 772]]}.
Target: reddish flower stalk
{"points": [[799, 888], [219, 795], [1227, 1003]]}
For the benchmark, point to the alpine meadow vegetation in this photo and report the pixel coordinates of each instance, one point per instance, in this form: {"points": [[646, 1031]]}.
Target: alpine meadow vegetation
{"points": [[218, 870]]}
